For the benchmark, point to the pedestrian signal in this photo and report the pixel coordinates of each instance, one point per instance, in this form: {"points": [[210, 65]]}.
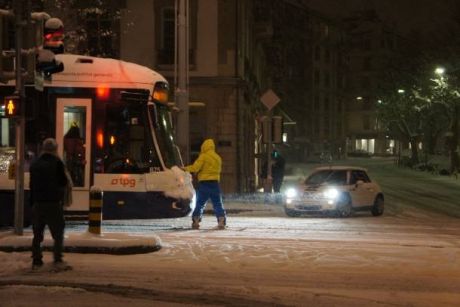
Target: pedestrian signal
{"points": [[11, 106]]}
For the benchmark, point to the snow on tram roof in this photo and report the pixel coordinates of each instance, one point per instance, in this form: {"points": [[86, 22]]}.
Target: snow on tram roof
{"points": [[87, 71]]}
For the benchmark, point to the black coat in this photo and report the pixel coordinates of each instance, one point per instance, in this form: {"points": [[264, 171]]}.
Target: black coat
{"points": [[278, 165], [47, 179]]}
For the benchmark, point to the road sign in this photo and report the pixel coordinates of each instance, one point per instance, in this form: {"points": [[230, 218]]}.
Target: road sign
{"points": [[269, 99]]}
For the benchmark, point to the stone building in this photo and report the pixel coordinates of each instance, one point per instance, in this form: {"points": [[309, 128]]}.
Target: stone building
{"points": [[371, 46]]}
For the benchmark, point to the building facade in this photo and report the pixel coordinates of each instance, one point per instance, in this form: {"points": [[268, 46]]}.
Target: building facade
{"points": [[371, 46]]}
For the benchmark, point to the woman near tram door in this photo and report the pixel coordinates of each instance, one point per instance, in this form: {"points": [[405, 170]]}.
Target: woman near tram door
{"points": [[74, 154], [48, 182], [208, 167]]}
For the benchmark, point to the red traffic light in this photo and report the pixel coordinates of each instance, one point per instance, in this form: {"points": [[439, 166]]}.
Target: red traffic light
{"points": [[53, 35], [11, 106]]}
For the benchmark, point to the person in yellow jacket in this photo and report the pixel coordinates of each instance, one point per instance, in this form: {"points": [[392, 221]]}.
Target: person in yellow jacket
{"points": [[208, 167]]}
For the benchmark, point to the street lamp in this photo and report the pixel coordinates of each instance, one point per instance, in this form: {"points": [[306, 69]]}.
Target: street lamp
{"points": [[401, 91], [439, 70]]}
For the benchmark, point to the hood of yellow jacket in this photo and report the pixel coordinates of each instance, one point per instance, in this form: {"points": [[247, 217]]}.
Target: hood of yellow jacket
{"points": [[207, 145]]}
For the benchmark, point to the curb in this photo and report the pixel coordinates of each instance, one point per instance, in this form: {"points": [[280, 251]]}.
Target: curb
{"points": [[86, 243]]}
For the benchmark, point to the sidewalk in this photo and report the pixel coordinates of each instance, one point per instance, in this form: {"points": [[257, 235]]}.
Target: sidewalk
{"points": [[106, 243]]}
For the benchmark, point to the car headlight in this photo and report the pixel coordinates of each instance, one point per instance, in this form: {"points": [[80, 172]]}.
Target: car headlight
{"points": [[330, 193], [291, 193]]}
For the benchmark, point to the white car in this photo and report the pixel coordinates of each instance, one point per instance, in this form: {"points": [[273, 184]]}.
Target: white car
{"points": [[337, 189]]}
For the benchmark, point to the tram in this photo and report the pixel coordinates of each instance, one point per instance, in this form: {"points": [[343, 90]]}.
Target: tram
{"points": [[114, 131]]}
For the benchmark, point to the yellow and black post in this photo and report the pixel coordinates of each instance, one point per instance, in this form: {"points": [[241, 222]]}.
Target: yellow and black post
{"points": [[95, 210]]}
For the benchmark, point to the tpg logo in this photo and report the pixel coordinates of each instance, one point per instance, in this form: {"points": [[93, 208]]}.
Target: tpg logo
{"points": [[125, 182]]}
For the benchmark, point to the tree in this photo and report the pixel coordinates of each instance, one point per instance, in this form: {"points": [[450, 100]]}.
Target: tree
{"points": [[399, 110], [91, 26], [446, 97]]}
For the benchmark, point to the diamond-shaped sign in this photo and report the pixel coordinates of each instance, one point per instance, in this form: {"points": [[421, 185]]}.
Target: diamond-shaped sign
{"points": [[269, 99]]}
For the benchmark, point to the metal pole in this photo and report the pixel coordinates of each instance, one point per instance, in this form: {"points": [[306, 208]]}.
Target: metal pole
{"points": [[269, 153], [20, 122], [182, 94]]}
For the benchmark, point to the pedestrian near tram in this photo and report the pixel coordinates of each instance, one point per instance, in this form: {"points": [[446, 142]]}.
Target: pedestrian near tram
{"points": [[208, 167], [48, 182]]}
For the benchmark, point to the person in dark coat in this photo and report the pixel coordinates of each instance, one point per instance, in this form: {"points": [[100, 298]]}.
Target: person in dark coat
{"points": [[277, 171], [277, 168], [47, 184]]}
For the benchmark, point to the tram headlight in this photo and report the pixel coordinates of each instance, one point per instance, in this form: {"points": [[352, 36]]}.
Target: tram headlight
{"points": [[161, 92]]}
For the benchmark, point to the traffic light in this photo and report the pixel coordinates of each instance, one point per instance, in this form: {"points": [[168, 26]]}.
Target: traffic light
{"points": [[53, 35], [12, 106], [275, 123], [7, 44], [47, 63]]}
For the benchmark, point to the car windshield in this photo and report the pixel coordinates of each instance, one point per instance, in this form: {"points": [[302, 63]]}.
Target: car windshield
{"points": [[338, 177]]}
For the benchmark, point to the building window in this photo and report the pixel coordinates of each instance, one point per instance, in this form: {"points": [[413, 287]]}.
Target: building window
{"points": [[101, 38], [316, 105], [327, 56], [367, 65], [316, 77], [327, 79], [167, 34], [366, 44], [366, 122], [317, 53], [325, 30]]}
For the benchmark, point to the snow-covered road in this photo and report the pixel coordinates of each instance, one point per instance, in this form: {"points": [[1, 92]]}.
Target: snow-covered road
{"points": [[361, 261]]}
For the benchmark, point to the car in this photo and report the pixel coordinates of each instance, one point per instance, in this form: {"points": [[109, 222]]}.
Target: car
{"points": [[337, 189]]}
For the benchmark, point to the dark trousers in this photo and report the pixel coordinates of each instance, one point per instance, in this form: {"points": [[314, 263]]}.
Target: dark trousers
{"points": [[51, 214], [209, 190], [277, 182]]}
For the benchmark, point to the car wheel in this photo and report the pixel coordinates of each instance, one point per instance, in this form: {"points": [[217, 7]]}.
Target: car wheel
{"points": [[378, 207], [291, 213], [344, 207]]}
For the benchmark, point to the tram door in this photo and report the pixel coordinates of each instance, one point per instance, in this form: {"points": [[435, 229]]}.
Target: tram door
{"points": [[73, 134]]}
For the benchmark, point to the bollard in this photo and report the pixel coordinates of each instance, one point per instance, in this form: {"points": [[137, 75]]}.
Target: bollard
{"points": [[95, 210]]}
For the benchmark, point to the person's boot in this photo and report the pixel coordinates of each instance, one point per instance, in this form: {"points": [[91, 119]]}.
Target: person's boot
{"points": [[221, 222], [195, 222], [60, 265], [37, 264]]}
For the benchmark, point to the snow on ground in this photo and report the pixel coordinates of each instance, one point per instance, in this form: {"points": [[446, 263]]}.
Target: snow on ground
{"points": [[407, 257]]}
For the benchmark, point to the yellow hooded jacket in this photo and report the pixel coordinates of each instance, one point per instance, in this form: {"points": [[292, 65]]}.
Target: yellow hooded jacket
{"points": [[208, 166]]}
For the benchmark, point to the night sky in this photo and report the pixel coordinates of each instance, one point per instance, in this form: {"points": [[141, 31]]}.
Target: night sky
{"points": [[429, 17]]}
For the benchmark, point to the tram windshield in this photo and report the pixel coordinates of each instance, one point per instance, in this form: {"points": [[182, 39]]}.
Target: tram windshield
{"points": [[165, 135], [128, 143]]}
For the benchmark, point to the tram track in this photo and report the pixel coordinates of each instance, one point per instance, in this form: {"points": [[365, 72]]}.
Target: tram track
{"points": [[171, 296]]}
